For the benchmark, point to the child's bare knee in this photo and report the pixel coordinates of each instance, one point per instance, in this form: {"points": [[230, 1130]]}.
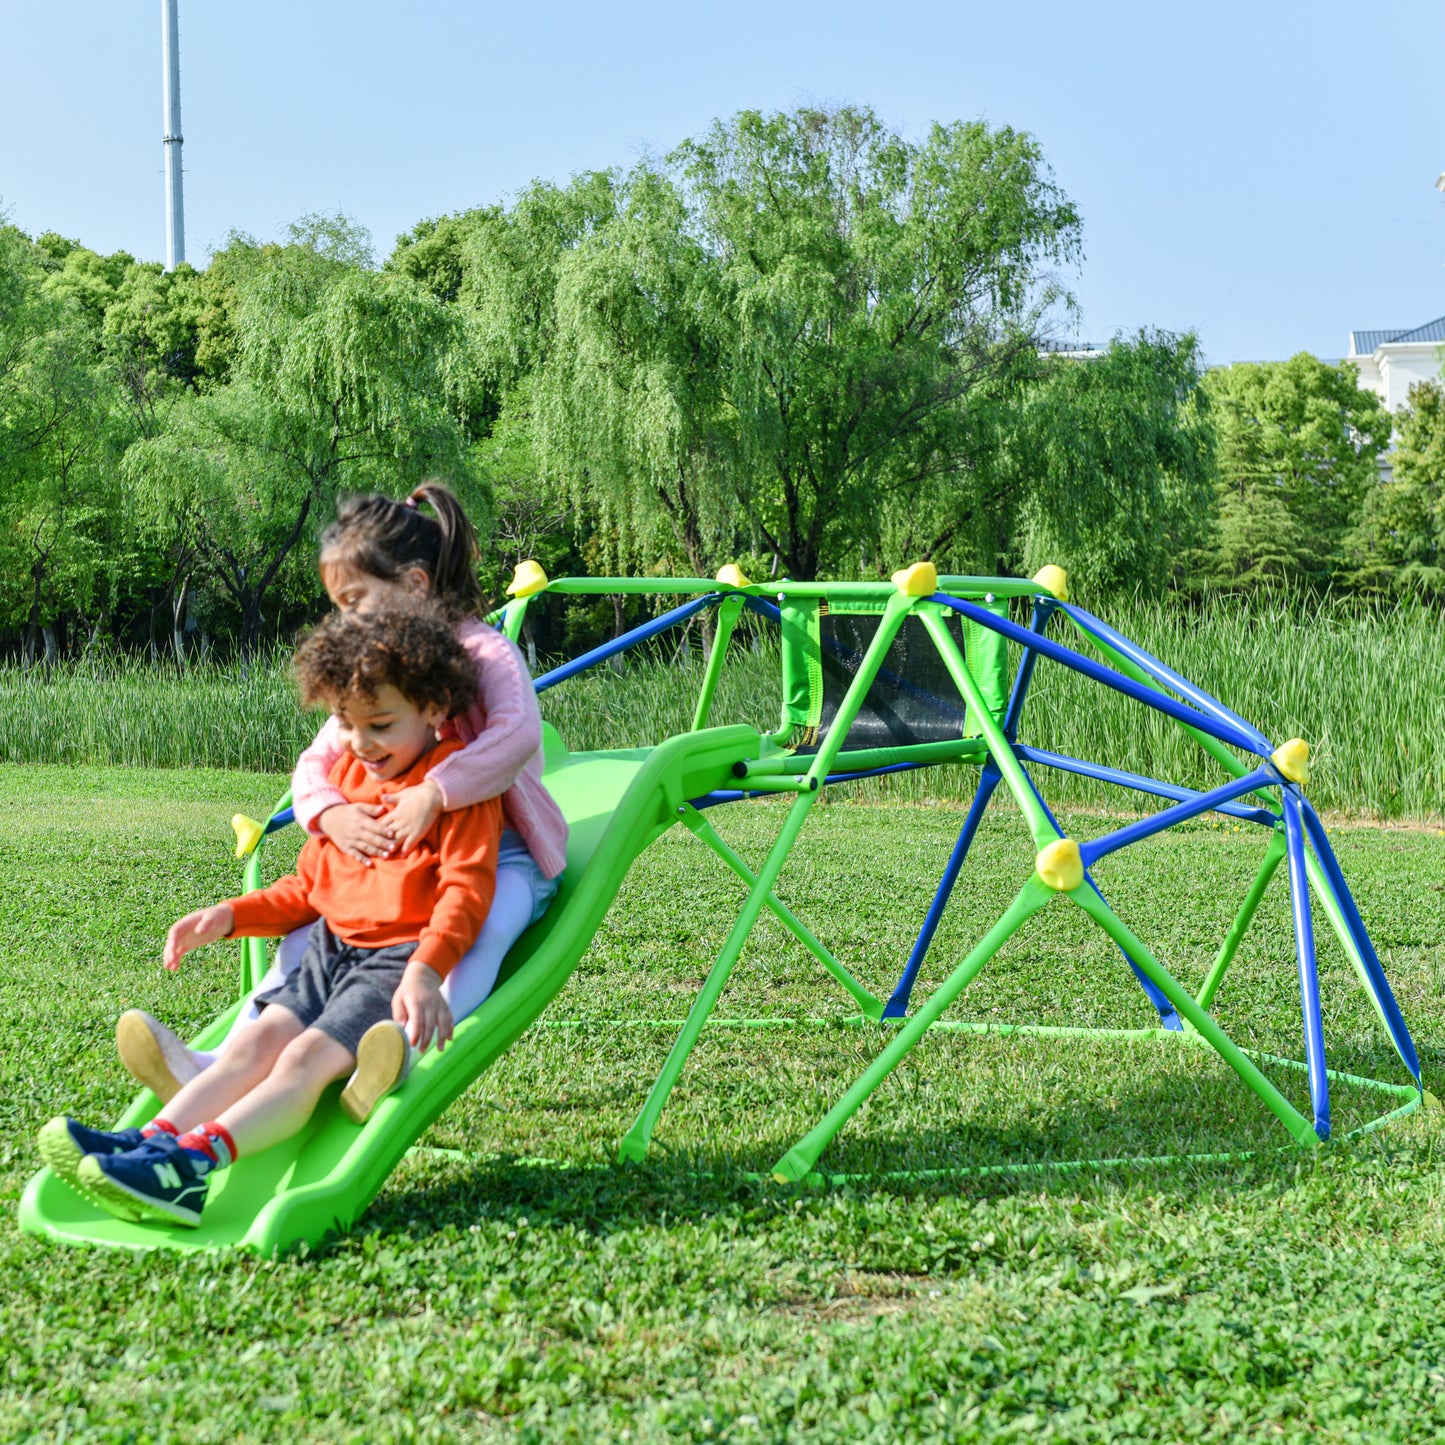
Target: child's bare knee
{"points": [[311, 1054], [261, 1041]]}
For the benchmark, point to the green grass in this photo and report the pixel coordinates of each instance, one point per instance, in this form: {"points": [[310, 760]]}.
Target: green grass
{"points": [[1362, 687], [498, 1296]]}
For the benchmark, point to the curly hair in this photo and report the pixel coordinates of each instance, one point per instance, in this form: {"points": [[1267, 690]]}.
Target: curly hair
{"points": [[409, 645]]}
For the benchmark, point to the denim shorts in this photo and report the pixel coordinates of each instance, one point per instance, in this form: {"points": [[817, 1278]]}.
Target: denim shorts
{"points": [[514, 857]]}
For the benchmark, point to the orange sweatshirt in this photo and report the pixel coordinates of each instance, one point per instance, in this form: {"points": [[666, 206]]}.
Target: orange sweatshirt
{"points": [[439, 893]]}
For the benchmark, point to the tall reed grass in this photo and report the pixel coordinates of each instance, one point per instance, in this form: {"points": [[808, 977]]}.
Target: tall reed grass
{"points": [[1365, 688]]}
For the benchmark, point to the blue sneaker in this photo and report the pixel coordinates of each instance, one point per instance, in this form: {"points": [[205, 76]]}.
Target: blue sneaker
{"points": [[65, 1142], [158, 1180]]}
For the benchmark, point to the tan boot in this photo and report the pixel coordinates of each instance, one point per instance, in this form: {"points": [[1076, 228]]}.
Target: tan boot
{"points": [[154, 1055], [383, 1060]]}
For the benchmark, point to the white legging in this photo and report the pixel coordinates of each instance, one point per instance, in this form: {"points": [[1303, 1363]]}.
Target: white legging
{"points": [[464, 988]]}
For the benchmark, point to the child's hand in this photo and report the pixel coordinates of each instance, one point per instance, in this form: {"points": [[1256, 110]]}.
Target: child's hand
{"points": [[196, 930], [417, 808], [354, 828], [419, 1007]]}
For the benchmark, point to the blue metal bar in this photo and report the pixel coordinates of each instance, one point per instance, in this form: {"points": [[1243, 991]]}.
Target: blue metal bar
{"points": [[1168, 1015], [276, 821], [888, 768], [1162, 673], [1139, 783], [764, 608], [897, 1005], [621, 644], [1098, 848], [1309, 983], [1149, 696], [1389, 1009], [1039, 622]]}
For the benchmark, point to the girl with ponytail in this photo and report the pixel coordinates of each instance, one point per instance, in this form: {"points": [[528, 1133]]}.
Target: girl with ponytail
{"points": [[378, 550]]}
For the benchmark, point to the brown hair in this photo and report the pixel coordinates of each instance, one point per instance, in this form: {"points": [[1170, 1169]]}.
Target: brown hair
{"points": [[410, 645], [383, 538]]}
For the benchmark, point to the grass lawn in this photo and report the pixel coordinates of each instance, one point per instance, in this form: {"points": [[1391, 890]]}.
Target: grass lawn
{"points": [[529, 1289]]}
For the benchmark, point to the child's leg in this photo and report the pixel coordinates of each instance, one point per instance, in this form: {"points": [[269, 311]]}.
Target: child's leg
{"points": [[475, 974], [279, 1106], [154, 1055], [252, 1055]]}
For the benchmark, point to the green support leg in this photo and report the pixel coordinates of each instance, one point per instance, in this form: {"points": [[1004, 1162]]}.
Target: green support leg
{"points": [[635, 1141], [1299, 1127], [872, 1007], [727, 616], [1326, 894], [801, 1159], [1273, 855], [514, 615], [999, 749]]}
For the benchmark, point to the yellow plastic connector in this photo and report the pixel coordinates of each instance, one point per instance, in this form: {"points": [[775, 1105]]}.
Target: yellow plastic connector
{"points": [[527, 579], [1053, 580], [1060, 865], [248, 834], [919, 580], [732, 576], [1293, 760]]}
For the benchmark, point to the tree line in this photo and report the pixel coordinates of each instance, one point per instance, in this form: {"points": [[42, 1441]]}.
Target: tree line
{"points": [[800, 341]]}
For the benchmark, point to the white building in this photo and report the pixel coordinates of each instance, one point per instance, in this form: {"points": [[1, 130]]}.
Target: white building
{"points": [[1391, 362]]}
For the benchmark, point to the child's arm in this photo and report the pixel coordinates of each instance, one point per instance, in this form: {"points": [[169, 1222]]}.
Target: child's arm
{"points": [[466, 883], [498, 751], [267, 913], [321, 807]]}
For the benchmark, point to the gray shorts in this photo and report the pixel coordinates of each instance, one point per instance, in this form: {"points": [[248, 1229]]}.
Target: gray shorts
{"points": [[340, 989]]}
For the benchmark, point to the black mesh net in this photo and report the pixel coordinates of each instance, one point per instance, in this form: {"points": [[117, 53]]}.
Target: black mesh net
{"points": [[912, 700]]}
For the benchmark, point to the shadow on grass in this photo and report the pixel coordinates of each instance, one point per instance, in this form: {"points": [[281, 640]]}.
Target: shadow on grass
{"points": [[1221, 1140]]}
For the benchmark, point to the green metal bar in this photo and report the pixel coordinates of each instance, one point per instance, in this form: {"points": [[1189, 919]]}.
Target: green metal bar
{"points": [[972, 587], [1003, 756], [792, 783], [800, 1160], [1299, 1127], [727, 615], [871, 1006], [1326, 894], [514, 616], [253, 950], [635, 1141], [861, 759], [897, 609], [1273, 855]]}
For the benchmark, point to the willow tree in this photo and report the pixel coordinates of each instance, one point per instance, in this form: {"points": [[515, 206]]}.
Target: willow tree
{"points": [[341, 378], [784, 328]]}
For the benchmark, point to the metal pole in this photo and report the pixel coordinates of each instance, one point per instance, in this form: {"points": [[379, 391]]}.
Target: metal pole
{"points": [[171, 139]]}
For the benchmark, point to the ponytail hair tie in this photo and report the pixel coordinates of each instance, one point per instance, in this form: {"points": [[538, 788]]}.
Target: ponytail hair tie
{"points": [[410, 502]]}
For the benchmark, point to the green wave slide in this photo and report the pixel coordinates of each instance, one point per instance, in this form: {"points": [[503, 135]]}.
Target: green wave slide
{"points": [[319, 1182]]}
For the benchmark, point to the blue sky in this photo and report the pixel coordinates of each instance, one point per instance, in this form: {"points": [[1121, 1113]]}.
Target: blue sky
{"points": [[1262, 173]]}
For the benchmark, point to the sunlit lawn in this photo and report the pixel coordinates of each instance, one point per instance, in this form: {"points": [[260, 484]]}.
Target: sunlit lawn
{"points": [[525, 1287]]}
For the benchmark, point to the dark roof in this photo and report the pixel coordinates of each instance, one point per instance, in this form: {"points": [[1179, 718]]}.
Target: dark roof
{"points": [[1365, 342]]}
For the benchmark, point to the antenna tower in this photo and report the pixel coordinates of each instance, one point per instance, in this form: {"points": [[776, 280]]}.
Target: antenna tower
{"points": [[171, 98]]}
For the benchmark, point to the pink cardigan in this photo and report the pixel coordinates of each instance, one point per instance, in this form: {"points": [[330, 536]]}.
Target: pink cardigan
{"points": [[501, 756]]}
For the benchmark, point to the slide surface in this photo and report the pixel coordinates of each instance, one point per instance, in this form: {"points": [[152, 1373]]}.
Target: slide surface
{"points": [[319, 1182]]}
